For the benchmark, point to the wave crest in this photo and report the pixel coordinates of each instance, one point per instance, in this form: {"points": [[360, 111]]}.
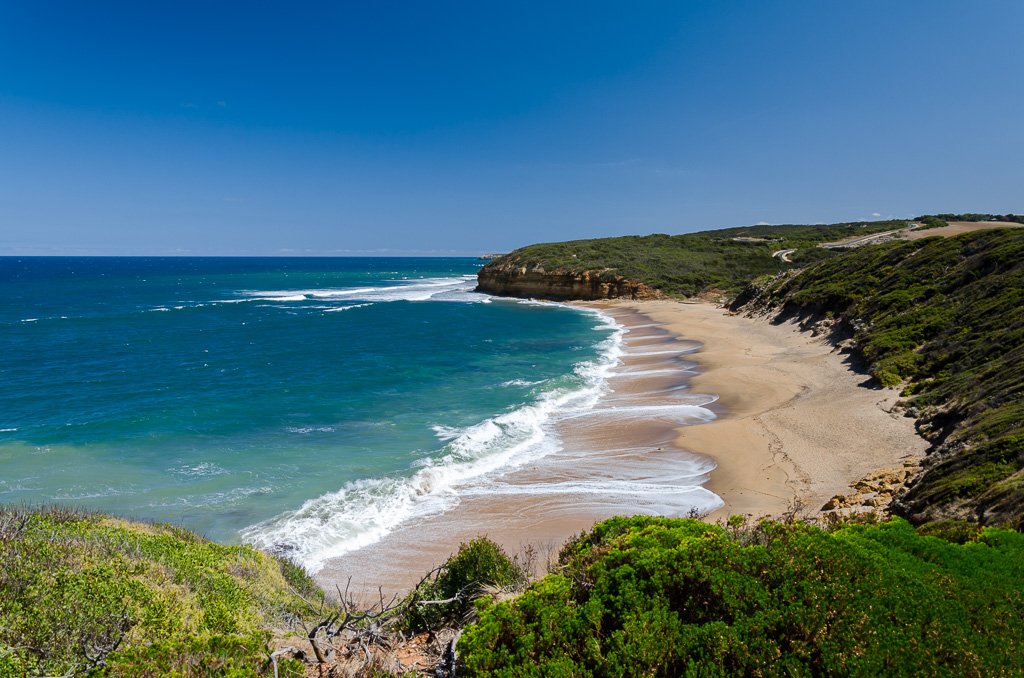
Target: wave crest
{"points": [[363, 511]]}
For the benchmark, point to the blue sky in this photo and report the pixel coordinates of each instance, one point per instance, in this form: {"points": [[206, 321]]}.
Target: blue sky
{"points": [[462, 127]]}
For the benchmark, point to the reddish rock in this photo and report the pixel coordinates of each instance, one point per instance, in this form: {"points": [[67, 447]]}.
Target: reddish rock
{"points": [[525, 281]]}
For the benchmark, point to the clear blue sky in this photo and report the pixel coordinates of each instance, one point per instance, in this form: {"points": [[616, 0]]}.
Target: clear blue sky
{"points": [[437, 127]]}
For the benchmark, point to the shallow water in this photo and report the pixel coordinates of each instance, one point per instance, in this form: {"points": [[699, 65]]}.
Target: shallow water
{"points": [[302, 404]]}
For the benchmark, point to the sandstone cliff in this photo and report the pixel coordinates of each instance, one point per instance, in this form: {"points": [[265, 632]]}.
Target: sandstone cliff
{"points": [[515, 279]]}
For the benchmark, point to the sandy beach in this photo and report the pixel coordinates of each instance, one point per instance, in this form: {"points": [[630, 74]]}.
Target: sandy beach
{"points": [[791, 422], [797, 422]]}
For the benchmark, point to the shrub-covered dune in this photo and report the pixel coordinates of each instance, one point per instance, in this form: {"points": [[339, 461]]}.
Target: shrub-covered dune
{"points": [[83, 593], [672, 597], [721, 261]]}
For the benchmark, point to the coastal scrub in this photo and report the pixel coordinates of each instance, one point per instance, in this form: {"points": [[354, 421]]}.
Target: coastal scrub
{"points": [[942, 318], [84, 593], [666, 597], [689, 264]]}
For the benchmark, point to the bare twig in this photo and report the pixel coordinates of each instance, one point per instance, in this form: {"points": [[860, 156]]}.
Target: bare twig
{"points": [[277, 653]]}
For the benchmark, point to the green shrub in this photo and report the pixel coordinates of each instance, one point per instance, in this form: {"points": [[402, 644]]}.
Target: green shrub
{"points": [[665, 597], [956, 531], [478, 565], [932, 222], [81, 591]]}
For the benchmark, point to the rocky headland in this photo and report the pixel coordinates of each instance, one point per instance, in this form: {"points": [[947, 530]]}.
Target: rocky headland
{"points": [[515, 279]]}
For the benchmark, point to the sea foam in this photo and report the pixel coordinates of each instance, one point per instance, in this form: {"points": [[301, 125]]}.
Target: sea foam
{"points": [[455, 289], [364, 511]]}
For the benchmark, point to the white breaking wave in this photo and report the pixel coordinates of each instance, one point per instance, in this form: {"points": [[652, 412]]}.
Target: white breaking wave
{"points": [[363, 511], [457, 289], [335, 309], [446, 432], [227, 497], [686, 413], [91, 493], [522, 382], [536, 302], [644, 492], [647, 373], [672, 351], [202, 469]]}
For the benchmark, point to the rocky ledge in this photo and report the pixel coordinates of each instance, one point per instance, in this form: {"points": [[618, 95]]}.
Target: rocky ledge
{"points": [[526, 281], [876, 491]]}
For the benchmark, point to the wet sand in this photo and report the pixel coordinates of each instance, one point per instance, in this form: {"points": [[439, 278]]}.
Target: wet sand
{"points": [[618, 458], [793, 422]]}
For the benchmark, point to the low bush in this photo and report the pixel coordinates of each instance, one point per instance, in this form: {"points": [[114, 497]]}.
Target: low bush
{"points": [[479, 567], [670, 597], [83, 593]]}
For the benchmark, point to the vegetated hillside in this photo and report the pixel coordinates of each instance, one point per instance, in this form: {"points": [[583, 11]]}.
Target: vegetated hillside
{"points": [[685, 265], [945, 317], [85, 594], [671, 597]]}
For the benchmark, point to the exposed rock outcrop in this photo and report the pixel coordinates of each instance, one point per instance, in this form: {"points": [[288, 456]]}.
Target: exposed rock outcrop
{"points": [[526, 281], [876, 491]]}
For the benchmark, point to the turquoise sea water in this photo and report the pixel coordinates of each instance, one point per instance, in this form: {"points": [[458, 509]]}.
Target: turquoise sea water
{"points": [[308, 405]]}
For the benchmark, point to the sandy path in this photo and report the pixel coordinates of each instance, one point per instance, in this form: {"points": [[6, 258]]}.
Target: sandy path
{"points": [[959, 227]]}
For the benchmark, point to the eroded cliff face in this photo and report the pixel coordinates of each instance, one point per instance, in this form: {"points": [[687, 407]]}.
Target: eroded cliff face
{"points": [[526, 281]]}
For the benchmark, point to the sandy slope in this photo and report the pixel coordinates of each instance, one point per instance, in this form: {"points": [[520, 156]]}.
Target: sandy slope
{"points": [[957, 228]]}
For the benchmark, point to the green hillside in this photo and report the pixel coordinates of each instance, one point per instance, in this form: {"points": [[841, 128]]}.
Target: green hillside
{"points": [[693, 263], [84, 594], [945, 318]]}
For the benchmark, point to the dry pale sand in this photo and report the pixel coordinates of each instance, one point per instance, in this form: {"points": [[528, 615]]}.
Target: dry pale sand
{"points": [[794, 422], [798, 423], [957, 228]]}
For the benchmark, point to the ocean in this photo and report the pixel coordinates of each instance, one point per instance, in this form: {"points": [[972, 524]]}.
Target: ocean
{"points": [[305, 405]]}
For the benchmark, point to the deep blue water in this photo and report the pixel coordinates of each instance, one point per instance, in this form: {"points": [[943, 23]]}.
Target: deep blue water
{"points": [[304, 403]]}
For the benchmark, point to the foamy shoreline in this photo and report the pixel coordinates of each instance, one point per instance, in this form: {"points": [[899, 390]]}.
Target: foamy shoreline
{"points": [[613, 457], [799, 423], [794, 422]]}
